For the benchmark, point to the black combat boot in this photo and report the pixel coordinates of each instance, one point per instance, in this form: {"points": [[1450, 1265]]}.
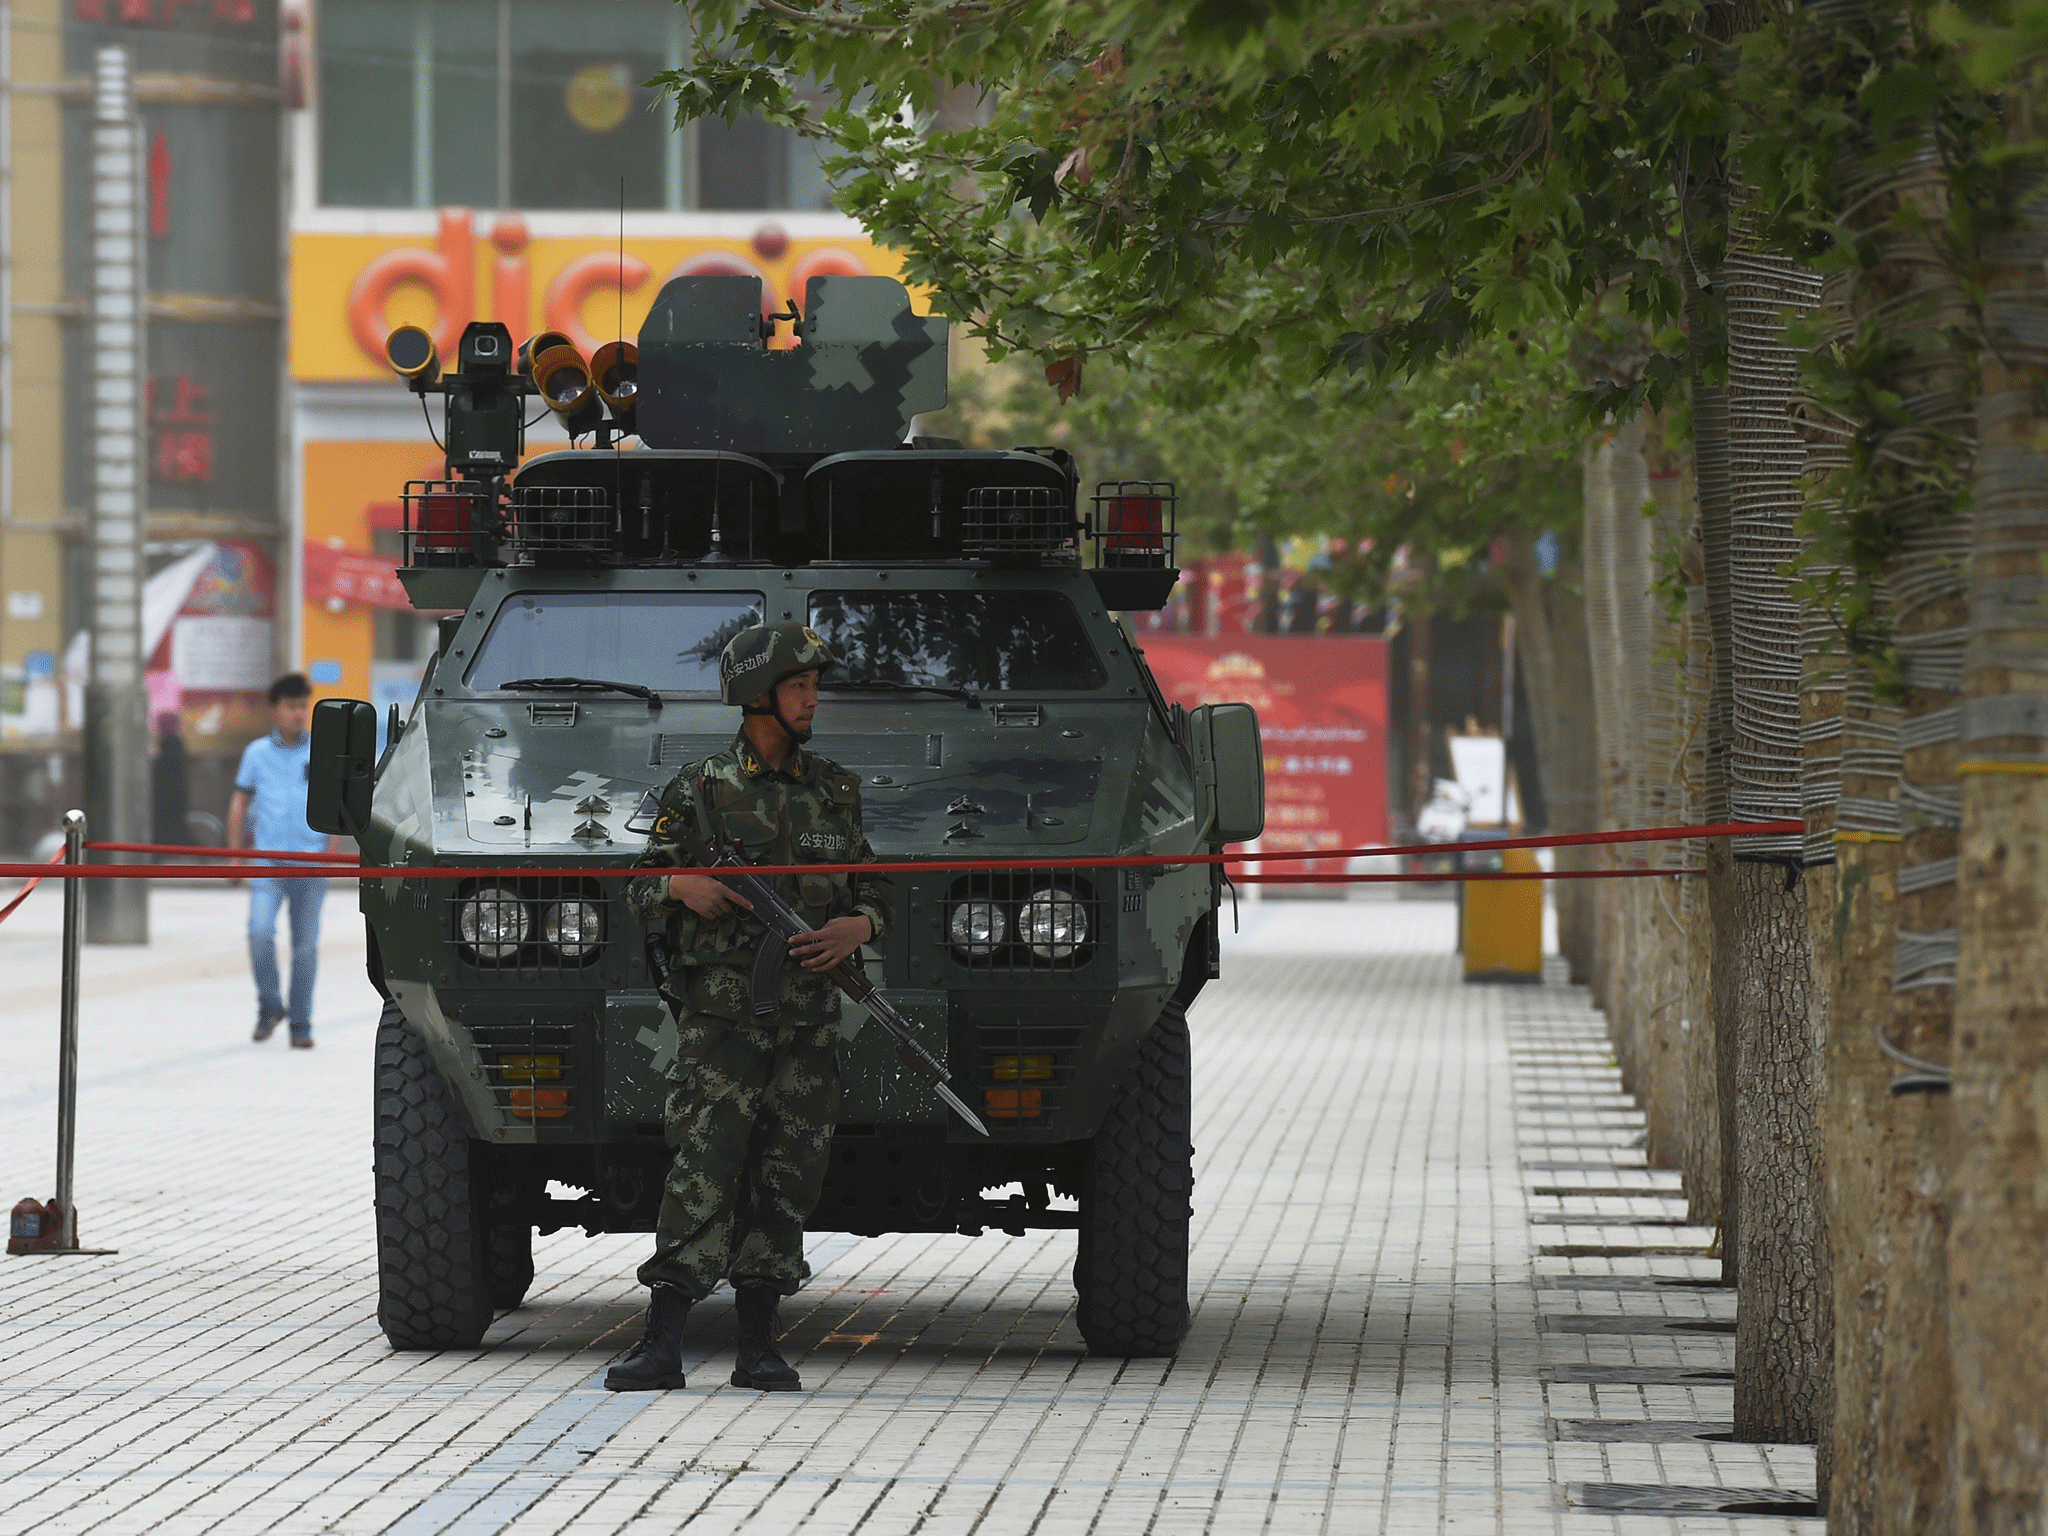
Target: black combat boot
{"points": [[656, 1363], [757, 1364]]}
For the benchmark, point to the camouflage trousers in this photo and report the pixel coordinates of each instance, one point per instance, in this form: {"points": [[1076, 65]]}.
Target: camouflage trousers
{"points": [[750, 1114]]}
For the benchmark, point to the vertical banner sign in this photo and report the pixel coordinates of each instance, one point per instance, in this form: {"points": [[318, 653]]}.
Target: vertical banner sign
{"points": [[1322, 703], [116, 698]]}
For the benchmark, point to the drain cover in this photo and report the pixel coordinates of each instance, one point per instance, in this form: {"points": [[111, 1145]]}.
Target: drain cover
{"points": [[1635, 1325], [1664, 1499], [1637, 1375], [1641, 1431], [1606, 1219], [1628, 1283]]}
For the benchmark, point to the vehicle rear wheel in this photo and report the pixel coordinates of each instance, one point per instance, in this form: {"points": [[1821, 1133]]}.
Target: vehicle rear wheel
{"points": [[433, 1287], [1132, 1268]]}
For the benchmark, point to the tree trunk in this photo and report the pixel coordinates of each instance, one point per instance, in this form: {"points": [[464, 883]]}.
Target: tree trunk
{"points": [[1700, 1144], [1634, 985], [1998, 1245], [1824, 680], [1900, 307], [1603, 652], [1561, 712], [1782, 1374], [1660, 904], [1856, 1121], [1710, 1149], [1421, 776], [1552, 658], [1858, 1111], [1581, 743], [1267, 620], [1916, 1422]]}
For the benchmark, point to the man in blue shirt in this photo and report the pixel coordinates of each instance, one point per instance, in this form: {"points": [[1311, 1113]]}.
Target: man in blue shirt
{"points": [[269, 811]]}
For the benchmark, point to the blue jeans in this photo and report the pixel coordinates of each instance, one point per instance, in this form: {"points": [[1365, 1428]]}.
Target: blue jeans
{"points": [[304, 898]]}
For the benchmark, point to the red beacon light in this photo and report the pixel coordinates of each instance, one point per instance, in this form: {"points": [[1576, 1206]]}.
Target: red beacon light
{"points": [[1134, 523]]}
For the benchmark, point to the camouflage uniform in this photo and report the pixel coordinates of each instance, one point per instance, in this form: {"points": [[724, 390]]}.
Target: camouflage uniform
{"points": [[751, 1101]]}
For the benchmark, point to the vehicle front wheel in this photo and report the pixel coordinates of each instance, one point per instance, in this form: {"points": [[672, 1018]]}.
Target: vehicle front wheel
{"points": [[1132, 1269], [433, 1275]]}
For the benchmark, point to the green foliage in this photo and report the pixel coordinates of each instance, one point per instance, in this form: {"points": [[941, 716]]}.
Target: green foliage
{"points": [[1442, 462], [1291, 238], [1407, 177]]}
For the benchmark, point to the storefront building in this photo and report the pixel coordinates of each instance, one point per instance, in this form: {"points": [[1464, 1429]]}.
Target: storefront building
{"points": [[317, 172], [205, 86], [462, 160]]}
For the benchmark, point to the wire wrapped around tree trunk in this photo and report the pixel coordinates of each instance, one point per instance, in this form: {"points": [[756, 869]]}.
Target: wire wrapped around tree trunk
{"points": [[1766, 765]]}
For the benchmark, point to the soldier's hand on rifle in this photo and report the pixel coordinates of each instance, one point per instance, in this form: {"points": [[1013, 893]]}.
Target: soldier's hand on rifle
{"points": [[705, 896], [823, 948]]}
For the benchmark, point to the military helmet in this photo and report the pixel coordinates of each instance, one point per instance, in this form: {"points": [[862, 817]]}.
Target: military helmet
{"points": [[758, 658]]}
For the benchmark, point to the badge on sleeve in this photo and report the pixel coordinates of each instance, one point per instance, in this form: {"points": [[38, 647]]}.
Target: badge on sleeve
{"points": [[648, 817]]}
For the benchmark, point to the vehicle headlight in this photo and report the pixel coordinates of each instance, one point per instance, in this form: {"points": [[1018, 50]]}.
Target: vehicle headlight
{"points": [[574, 927], [977, 927], [494, 922], [1053, 923]]}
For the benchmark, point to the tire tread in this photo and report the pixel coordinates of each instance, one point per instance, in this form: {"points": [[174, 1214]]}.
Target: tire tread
{"points": [[433, 1288], [1131, 1269]]}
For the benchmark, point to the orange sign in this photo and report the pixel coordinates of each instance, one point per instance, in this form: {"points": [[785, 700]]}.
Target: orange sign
{"points": [[348, 291]]}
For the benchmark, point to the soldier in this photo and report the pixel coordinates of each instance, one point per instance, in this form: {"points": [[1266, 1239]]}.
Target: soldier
{"points": [[752, 1100]]}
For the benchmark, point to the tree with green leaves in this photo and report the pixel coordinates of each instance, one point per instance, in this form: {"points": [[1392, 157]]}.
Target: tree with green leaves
{"points": [[1187, 205]]}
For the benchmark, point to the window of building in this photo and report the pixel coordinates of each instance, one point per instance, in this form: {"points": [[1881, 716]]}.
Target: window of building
{"points": [[532, 104]]}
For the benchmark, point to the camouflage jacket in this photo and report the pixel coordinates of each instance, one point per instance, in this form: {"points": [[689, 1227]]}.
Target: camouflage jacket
{"points": [[806, 812]]}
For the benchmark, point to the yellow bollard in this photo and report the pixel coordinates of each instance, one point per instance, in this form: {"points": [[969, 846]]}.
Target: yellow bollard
{"points": [[1501, 923]]}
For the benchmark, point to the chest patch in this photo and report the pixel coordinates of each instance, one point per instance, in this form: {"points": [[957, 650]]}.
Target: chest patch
{"points": [[824, 842]]}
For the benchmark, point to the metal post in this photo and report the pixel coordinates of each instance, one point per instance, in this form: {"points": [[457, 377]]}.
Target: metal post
{"points": [[67, 1027]]}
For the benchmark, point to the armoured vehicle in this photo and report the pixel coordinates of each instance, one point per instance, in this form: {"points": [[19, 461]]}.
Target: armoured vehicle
{"points": [[993, 702]]}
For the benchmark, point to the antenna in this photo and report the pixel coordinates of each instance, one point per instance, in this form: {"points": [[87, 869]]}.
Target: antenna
{"points": [[619, 289]]}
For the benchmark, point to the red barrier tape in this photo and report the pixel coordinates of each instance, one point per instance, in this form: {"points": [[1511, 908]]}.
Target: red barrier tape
{"points": [[193, 851], [950, 866], [1424, 877], [29, 890]]}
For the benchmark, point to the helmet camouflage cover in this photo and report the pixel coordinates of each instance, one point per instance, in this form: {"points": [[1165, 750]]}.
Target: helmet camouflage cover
{"points": [[756, 659]]}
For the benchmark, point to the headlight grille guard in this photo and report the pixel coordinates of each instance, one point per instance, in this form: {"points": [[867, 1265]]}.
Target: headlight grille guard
{"points": [[1045, 921], [529, 928]]}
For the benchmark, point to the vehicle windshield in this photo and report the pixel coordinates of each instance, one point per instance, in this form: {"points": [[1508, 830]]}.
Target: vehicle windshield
{"points": [[986, 641], [668, 641]]}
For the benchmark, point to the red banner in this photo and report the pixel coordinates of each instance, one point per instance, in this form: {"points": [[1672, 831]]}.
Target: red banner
{"points": [[1322, 703], [353, 578]]}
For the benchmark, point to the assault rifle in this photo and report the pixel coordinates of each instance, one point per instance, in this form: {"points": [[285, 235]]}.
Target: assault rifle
{"points": [[784, 923]]}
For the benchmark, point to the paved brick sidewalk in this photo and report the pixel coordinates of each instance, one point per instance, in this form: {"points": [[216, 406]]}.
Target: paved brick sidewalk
{"points": [[1379, 1341]]}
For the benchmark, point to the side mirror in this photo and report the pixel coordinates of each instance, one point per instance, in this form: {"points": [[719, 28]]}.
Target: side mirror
{"points": [[1226, 742], [343, 760]]}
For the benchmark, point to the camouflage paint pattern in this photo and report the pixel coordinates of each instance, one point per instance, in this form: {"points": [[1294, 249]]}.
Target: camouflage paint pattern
{"points": [[807, 811], [494, 779], [865, 367], [750, 1115], [743, 439]]}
